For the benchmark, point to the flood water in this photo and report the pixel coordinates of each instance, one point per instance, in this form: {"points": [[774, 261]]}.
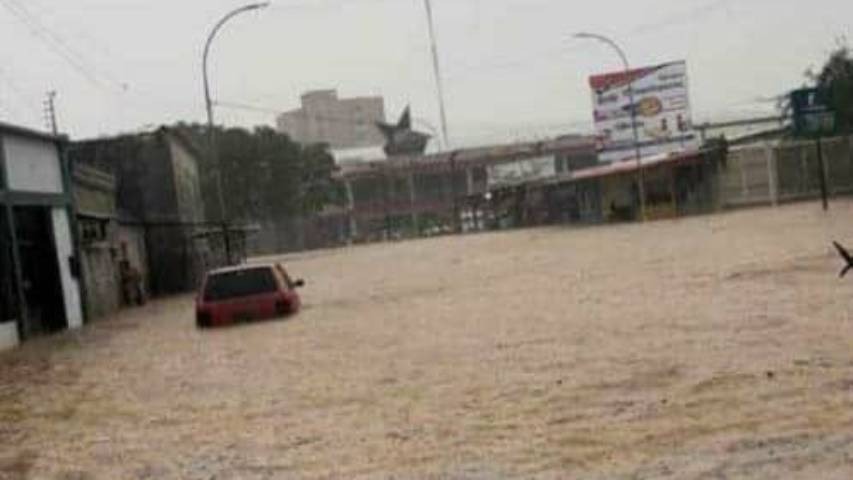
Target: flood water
{"points": [[711, 347]]}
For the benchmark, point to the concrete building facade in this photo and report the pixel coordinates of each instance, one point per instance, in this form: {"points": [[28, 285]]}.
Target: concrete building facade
{"points": [[111, 244], [438, 193], [158, 192], [342, 123], [94, 195], [40, 288]]}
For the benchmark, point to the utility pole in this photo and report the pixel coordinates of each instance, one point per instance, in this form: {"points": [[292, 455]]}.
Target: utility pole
{"points": [[50, 112], [437, 72]]}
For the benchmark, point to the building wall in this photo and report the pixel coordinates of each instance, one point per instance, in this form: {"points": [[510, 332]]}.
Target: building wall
{"points": [[734, 130], [167, 177], [8, 336], [131, 244], [157, 186], [34, 165], [745, 179], [173, 267], [94, 191], [95, 198], [341, 123], [789, 171], [103, 287], [190, 205], [156, 179]]}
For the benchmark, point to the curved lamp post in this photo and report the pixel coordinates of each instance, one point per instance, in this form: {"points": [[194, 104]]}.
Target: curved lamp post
{"points": [[437, 72], [211, 139], [640, 176]]}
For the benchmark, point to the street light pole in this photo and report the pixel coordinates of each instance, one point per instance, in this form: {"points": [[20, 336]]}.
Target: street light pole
{"points": [[437, 71], [211, 134], [640, 175]]}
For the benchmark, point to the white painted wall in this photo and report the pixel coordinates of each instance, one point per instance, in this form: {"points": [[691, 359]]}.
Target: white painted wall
{"points": [[8, 335], [32, 165], [70, 286]]}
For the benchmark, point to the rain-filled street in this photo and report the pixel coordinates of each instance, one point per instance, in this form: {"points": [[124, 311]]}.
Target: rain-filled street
{"points": [[711, 347]]}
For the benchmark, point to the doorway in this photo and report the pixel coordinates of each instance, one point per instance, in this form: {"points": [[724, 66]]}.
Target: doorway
{"points": [[8, 284], [40, 276]]}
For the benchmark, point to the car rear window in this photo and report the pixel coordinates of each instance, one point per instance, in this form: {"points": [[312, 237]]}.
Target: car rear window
{"points": [[239, 283]]}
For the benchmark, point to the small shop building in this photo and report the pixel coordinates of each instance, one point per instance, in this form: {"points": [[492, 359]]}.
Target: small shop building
{"points": [[40, 290]]}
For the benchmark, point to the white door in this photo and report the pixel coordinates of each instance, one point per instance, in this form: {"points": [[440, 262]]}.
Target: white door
{"points": [[64, 251]]}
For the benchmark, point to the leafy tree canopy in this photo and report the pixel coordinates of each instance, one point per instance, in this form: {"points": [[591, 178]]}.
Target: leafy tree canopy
{"points": [[265, 175], [836, 78]]}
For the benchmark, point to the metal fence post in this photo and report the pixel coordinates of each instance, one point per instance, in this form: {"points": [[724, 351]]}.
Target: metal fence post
{"points": [[850, 155], [744, 184], [822, 171]]}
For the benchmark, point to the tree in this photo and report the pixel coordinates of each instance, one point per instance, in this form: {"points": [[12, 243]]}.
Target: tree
{"points": [[265, 175], [836, 78]]}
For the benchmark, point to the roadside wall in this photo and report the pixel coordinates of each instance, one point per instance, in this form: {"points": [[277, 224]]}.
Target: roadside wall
{"points": [[769, 174]]}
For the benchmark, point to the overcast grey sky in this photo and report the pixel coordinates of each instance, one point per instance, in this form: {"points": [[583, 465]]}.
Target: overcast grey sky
{"points": [[511, 69]]}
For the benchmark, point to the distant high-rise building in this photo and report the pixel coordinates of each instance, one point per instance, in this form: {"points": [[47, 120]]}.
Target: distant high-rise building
{"points": [[341, 123]]}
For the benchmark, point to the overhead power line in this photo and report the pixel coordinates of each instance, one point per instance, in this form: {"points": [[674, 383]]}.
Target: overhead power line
{"points": [[25, 103], [57, 44]]}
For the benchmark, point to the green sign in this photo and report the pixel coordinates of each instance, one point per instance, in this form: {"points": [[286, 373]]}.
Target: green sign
{"points": [[813, 116]]}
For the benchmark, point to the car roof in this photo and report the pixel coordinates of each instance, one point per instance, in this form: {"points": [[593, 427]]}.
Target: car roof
{"points": [[240, 268]]}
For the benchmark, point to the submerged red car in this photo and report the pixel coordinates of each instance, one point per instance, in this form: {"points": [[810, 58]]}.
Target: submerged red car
{"points": [[245, 293]]}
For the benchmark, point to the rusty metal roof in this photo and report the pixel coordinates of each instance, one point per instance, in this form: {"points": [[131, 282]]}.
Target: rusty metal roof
{"points": [[471, 157]]}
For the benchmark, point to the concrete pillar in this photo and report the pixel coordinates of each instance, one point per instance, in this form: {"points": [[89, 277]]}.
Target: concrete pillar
{"points": [[804, 166], [772, 175], [469, 181], [23, 314], [353, 224]]}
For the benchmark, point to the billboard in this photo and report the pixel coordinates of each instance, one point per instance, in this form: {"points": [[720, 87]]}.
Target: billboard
{"points": [[521, 171], [662, 107]]}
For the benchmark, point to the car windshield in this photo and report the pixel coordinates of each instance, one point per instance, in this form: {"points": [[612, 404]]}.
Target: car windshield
{"points": [[239, 283]]}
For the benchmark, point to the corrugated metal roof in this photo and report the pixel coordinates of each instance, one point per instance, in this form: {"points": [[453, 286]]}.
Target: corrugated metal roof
{"points": [[480, 156], [630, 166]]}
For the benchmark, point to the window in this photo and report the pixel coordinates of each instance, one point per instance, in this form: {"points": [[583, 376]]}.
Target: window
{"points": [[239, 283], [93, 230]]}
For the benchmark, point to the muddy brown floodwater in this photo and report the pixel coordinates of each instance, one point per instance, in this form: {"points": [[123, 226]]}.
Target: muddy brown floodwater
{"points": [[711, 347]]}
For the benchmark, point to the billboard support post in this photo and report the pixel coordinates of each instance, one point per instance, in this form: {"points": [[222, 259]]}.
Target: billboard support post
{"points": [[814, 117], [640, 176], [641, 180], [824, 190]]}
